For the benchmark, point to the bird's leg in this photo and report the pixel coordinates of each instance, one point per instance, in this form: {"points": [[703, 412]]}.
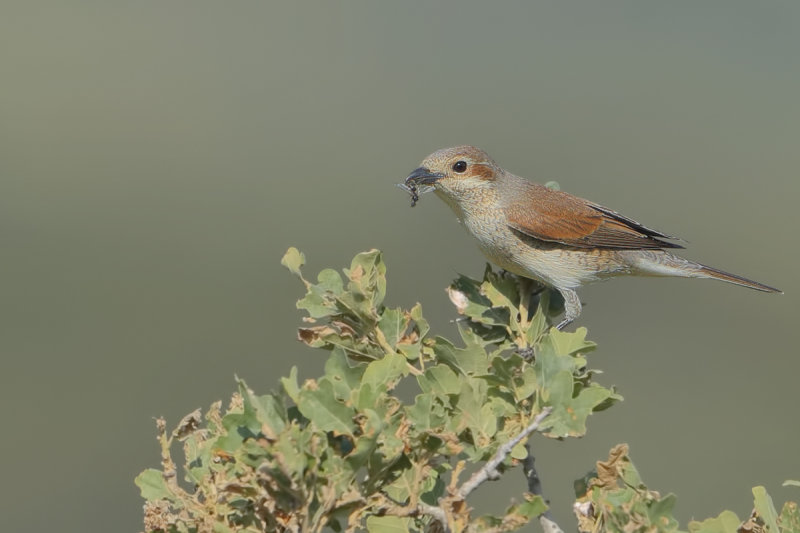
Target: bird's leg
{"points": [[572, 307]]}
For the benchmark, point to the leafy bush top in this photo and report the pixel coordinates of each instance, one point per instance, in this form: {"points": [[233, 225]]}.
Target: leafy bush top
{"points": [[349, 451]]}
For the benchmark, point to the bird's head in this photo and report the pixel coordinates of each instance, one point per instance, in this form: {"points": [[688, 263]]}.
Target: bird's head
{"points": [[455, 172]]}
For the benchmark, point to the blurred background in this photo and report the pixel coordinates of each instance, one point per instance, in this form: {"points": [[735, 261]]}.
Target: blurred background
{"points": [[157, 159]]}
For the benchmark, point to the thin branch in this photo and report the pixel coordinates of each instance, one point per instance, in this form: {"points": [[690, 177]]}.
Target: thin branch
{"points": [[489, 470], [395, 508], [437, 513], [529, 469], [535, 487]]}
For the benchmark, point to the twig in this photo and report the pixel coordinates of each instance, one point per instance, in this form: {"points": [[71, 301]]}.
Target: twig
{"points": [[437, 513], [420, 508], [535, 487], [489, 470]]}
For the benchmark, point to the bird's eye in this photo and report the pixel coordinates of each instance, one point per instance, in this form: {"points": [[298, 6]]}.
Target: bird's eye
{"points": [[460, 166]]}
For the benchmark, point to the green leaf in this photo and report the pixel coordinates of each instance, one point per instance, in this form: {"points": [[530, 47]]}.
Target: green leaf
{"points": [[419, 320], [726, 522], [317, 303], [387, 524], [558, 390], [532, 508], [367, 442], [322, 408], [293, 259], [369, 396], [385, 371], [660, 511], [330, 280], [228, 442], [470, 360], [550, 360], [198, 458], [343, 377], [292, 450], [475, 413], [411, 351], [566, 343], [765, 508], [487, 421], [419, 414], [270, 412], [570, 413], [790, 518], [392, 324], [439, 380], [415, 480], [267, 409], [519, 452], [538, 324], [392, 445], [367, 274], [503, 405], [526, 385], [152, 485], [238, 427], [400, 489], [502, 291], [290, 384]]}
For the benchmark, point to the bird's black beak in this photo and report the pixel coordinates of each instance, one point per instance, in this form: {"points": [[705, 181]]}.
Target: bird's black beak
{"points": [[423, 176]]}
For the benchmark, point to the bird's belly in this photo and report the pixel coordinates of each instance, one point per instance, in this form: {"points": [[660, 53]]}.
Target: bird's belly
{"points": [[552, 263]]}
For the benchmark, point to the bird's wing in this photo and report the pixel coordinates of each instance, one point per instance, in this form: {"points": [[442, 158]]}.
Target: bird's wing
{"points": [[556, 216]]}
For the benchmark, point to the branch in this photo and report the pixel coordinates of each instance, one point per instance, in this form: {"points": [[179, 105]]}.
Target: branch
{"points": [[535, 487], [418, 509], [489, 470], [437, 513]]}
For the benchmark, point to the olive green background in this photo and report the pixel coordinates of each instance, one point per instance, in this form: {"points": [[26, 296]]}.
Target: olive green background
{"points": [[157, 159]]}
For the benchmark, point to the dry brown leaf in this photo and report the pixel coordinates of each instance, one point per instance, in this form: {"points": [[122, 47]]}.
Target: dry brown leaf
{"points": [[608, 471], [458, 298]]}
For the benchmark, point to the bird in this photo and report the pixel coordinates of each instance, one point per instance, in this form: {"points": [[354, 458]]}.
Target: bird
{"points": [[552, 237]]}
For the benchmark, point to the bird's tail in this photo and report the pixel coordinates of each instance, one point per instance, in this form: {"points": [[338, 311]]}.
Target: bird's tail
{"points": [[663, 263], [710, 272]]}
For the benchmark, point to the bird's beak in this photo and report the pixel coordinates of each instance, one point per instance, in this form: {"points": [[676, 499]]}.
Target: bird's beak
{"points": [[423, 176]]}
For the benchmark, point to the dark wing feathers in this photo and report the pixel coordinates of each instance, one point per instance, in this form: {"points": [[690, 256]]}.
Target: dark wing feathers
{"points": [[630, 222], [556, 216]]}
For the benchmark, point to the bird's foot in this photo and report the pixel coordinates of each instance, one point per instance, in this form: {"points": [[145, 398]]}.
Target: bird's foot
{"points": [[527, 353], [564, 323]]}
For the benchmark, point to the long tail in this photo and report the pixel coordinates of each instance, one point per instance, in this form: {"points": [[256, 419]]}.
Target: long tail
{"points": [[663, 263], [709, 272]]}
